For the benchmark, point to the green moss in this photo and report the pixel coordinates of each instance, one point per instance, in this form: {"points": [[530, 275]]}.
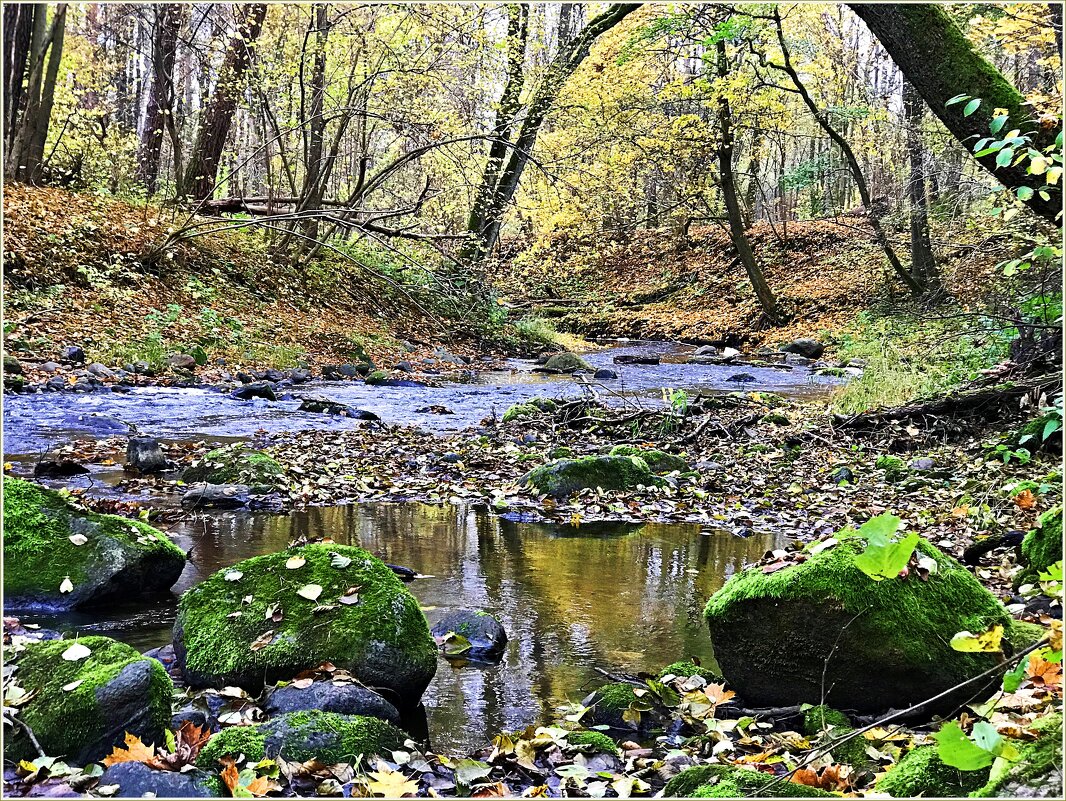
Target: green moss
{"points": [[235, 464], [567, 363], [38, 553], [67, 722], [385, 628], [921, 772], [531, 408], [595, 741], [1042, 547], [1021, 634], [886, 636], [302, 736], [658, 461], [831, 724], [1040, 759], [564, 477], [728, 781], [775, 419], [894, 467], [377, 378], [615, 697], [689, 668]]}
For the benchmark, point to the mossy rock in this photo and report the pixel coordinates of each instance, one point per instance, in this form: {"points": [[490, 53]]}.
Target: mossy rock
{"points": [[301, 736], [886, 642], [729, 781], [120, 691], [235, 464], [894, 467], [594, 742], [377, 378], [688, 668], [1038, 773], [564, 477], [120, 558], [830, 724], [382, 639], [567, 363], [613, 703], [1042, 547], [921, 772], [658, 461], [1031, 435], [531, 408]]}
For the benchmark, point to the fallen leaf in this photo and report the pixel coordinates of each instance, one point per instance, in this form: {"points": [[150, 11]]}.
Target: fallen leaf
{"points": [[262, 641], [310, 591], [135, 751], [75, 652], [294, 562]]}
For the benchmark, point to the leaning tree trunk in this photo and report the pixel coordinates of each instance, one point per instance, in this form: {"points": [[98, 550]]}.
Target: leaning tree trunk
{"points": [[497, 188], [941, 63], [216, 119], [168, 19], [923, 264], [734, 212]]}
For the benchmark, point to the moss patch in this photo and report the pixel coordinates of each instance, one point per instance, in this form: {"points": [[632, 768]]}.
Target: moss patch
{"points": [[688, 668], [921, 772], [39, 555], [658, 461], [80, 724], [531, 408], [562, 478], [829, 724], [235, 464], [894, 467], [887, 641], [301, 736], [1040, 759], [383, 638], [594, 741], [727, 781], [1042, 547]]}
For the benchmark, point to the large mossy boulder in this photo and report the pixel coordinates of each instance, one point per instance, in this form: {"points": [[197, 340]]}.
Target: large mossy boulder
{"points": [[823, 630], [47, 540], [1042, 547], [658, 461], [268, 618], [235, 464], [1038, 773], [567, 363], [922, 773], [301, 736], [729, 781], [82, 707], [564, 477]]}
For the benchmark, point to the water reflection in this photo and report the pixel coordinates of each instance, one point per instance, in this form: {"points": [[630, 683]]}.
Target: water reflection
{"points": [[627, 598]]}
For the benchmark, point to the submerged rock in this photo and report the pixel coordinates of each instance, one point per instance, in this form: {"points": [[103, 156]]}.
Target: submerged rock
{"points": [[302, 736], [344, 699], [84, 704], [320, 404], [234, 464], [328, 603], [48, 543], [256, 389], [137, 780], [566, 363], [564, 477], [636, 358], [58, 467], [482, 631], [217, 496], [145, 455], [886, 642], [603, 374]]}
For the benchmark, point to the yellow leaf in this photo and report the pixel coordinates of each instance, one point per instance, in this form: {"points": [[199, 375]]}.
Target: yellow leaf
{"points": [[135, 751], [391, 784], [986, 642]]}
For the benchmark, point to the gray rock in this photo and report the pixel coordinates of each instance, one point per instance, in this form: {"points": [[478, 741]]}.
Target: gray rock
{"points": [[603, 374], [143, 368], [404, 367], [742, 378], [181, 361], [484, 632], [808, 348], [300, 375], [257, 389], [636, 358], [923, 464], [706, 350], [72, 353], [102, 371], [137, 780], [216, 496], [12, 366], [344, 699], [145, 455], [842, 475], [50, 367], [245, 378]]}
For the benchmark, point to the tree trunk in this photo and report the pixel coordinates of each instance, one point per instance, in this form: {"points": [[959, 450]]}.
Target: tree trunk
{"points": [[941, 63], [217, 117], [18, 28], [734, 212], [168, 20], [498, 186], [314, 183], [923, 264]]}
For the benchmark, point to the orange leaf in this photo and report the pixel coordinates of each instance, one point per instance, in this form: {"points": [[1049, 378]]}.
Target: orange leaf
{"points": [[135, 751], [261, 785], [1025, 499], [1043, 673], [230, 776]]}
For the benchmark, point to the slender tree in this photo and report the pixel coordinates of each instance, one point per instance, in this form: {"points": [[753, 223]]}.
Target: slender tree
{"points": [[923, 264], [167, 21]]}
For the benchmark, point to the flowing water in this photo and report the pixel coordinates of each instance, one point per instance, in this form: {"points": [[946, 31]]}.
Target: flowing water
{"points": [[616, 597]]}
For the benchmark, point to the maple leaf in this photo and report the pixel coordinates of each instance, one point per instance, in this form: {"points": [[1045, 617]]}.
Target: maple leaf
{"points": [[230, 777], [135, 751], [1043, 673], [390, 784], [1025, 499]]}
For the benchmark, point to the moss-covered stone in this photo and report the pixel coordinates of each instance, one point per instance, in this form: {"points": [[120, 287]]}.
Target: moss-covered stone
{"points": [[658, 461], [113, 690], [1038, 773], [235, 464], [829, 724], [922, 773], [302, 736], [119, 558], [1042, 547], [567, 363], [729, 781], [688, 668], [377, 378], [886, 642], [564, 477], [383, 639], [614, 703], [894, 467], [531, 408], [594, 741]]}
